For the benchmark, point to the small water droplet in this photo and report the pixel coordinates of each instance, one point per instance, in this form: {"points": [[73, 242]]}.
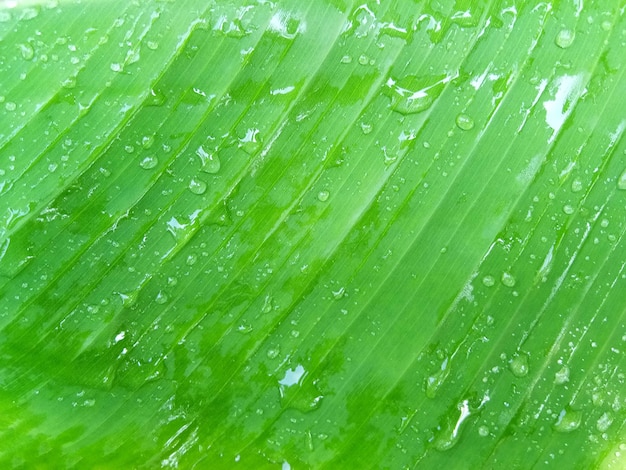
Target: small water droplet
{"points": [[10, 106], [366, 128], [568, 420], [519, 365], [621, 181], [298, 391], [273, 353], [27, 51], [210, 162], [434, 382], [323, 196], [451, 431], [507, 279], [577, 186], [604, 422], [483, 431], [250, 143], [564, 38], [346, 59], [197, 186], [562, 376], [116, 67], [339, 293], [464, 122], [568, 209], [267, 304], [149, 162], [489, 281], [147, 141], [161, 297], [606, 25], [152, 45], [363, 59]]}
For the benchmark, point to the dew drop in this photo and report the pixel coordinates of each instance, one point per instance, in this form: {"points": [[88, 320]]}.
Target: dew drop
{"points": [[197, 186], [464, 122], [507, 279], [489, 281], [339, 293], [568, 420], [519, 365], [565, 38], [149, 162], [267, 304], [273, 353], [366, 128], [147, 141], [152, 45], [10, 106], [483, 431], [323, 196], [210, 162], [621, 181]]}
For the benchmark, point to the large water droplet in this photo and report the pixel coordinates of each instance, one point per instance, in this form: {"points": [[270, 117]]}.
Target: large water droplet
{"points": [[519, 365], [414, 94], [210, 162], [297, 391], [568, 420], [449, 435]]}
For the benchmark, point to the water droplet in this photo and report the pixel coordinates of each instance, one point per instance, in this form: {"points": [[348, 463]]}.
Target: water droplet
{"points": [[464, 122], [161, 297], [149, 162], [27, 51], [604, 422], [568, 209], [363, 59], [451, 432], [489, 281], [519, 365], [197, 186], [366, 128], [10, 106], [434, 382], [128, 299], [116, 67], [267, 304], [152, 45], [562, 376], [210, 162], [606, 25], [507, 279], [147, 141], [414, 94], [565, 38], [568, 420], [346, 59], [273, 353], [483, 431], [621, 181], [155, 98], [299, 392], [339, 293], [322, 196], [577, 186], [250, 143]]}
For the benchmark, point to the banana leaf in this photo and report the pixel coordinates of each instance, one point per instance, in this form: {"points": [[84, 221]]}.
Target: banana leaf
{"points": [[324, 234]]}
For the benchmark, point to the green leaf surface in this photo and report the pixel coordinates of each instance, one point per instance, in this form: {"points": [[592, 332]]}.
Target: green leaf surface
{"points": [[324, 234]]}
